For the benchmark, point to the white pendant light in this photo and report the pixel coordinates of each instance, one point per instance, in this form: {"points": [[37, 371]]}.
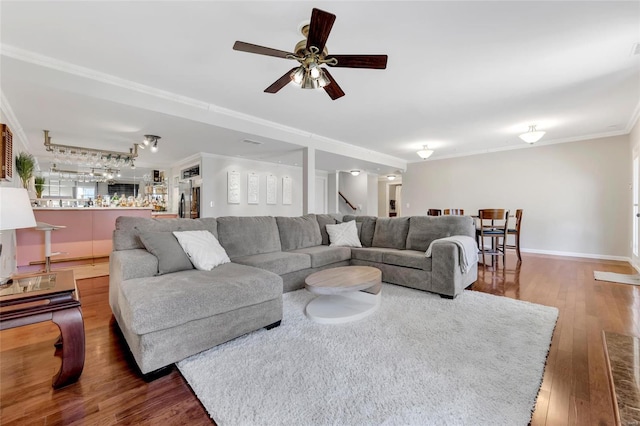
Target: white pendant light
{"points": [[532, 135], [425, 152]]}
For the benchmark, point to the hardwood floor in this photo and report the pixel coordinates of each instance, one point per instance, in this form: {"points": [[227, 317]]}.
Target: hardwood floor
{"points": [[575, 387]]}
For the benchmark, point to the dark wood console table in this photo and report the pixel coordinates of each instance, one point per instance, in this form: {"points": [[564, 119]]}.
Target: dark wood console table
{"points": [[52, 296]]}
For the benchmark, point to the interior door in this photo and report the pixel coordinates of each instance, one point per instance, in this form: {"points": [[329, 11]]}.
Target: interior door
{"points": [[635, 228]]}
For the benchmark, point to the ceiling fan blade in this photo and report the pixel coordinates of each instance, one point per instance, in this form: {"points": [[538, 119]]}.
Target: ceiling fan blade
{"points": [[319, 28], [281, 82], [378, 62], [332, 89], [260, 50]]}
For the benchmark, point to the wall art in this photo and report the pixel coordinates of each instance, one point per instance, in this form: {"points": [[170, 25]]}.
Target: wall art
{"points": [[253, 188], [286, 190], [233, 187], [272, 189]]}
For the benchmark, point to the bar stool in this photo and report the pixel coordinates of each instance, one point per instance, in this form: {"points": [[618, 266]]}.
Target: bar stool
{"points": [[47, 228], [434, 212]]}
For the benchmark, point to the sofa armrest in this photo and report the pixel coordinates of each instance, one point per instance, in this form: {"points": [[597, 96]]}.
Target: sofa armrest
{"points": [[446, 276], [128, 264]]}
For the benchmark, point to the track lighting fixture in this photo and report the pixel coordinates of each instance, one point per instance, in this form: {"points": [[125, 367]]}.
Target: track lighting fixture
{"points": [[153, 141]]}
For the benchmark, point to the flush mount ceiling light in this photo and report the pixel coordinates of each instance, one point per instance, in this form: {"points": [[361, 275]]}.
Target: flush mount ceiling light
{"points": [[532, 135], [391, 177], [151, 140], [425, 152], [354, 172]]}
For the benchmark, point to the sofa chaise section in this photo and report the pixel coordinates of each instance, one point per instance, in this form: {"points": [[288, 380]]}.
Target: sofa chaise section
{"points": [[166, 318]]}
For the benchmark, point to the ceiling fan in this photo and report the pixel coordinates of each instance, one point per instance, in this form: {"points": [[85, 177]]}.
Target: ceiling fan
{"points": [[311, 54]]}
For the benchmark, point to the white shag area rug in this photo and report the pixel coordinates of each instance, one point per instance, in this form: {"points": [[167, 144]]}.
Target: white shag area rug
{"points": [[418, 360], [617, 278]]}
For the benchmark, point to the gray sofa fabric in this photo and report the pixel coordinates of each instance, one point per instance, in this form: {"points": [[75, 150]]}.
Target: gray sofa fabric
{"points": [[165, 246], [323, 221], [279, 262], [125, 236], [391, 232], [424, 229], [366, 228], [166, 318], [324, 255], [192, 295], [244, 236], [298, 232]]}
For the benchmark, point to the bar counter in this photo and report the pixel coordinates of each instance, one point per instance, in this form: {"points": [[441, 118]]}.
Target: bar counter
{"points": [[87, 233]]}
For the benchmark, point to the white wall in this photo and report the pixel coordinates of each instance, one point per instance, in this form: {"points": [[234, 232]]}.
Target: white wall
{"points": [[214, 187], [634, 145], [372, 195], [355, 190], [576, 196]]}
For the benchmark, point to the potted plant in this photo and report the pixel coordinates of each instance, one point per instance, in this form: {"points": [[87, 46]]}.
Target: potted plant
{"points": [[39, 185], [25, 163]]}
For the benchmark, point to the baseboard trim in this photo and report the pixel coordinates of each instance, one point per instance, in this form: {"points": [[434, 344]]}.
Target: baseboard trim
{"points": [[574, 254]]}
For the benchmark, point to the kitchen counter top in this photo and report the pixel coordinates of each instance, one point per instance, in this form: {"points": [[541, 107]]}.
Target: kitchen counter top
{"points": [[92, 208]]}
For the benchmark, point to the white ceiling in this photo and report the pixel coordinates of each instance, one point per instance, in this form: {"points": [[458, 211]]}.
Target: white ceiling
{"points": [[463, 77]]}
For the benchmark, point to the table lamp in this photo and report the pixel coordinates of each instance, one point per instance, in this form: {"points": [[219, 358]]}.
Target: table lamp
{"points": [[15, 213]]}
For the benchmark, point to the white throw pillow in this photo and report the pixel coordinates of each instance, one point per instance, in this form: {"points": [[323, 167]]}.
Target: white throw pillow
{"points": [[344, 234], [202, 248]]}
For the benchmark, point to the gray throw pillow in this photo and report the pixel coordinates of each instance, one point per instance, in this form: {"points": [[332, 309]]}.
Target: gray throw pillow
{"points": [[165, 246]]}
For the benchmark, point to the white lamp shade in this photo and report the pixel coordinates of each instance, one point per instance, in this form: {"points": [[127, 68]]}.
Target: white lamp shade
{"points": [[15, 209], [533, 135], [425, 153]]}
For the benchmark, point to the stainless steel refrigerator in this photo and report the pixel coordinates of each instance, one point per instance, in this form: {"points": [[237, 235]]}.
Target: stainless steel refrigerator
{"points": [[189, 199]]}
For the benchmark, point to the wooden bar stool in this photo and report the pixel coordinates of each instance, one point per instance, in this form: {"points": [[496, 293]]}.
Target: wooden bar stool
{"points": [[454, 212], [47, 228], [434, 212]]}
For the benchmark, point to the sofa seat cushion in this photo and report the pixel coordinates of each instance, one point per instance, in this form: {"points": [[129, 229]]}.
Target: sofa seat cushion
{"points": [[161, 302], [407, 258], [277, 262], [370, 254], [325, 255]]}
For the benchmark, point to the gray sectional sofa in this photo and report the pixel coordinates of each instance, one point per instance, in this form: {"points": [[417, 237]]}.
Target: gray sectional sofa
{"points": [[168, 311]]}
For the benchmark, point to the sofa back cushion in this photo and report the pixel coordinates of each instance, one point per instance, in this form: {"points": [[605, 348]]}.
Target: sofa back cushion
{"points": [[424, 229], [298, 232], [128, 228], [366, 228], [391, 232], [247, 235], [324, 220]]}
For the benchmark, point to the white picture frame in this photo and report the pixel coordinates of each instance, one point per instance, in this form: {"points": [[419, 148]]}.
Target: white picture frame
{"points": [[272, 189], [233, 187], [253, 188]]}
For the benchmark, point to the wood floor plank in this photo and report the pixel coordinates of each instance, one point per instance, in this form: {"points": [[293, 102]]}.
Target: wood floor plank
{"points": [[574, 389]]}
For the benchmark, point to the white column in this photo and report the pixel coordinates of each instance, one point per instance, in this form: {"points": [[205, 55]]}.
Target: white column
{"points": [[308, 179]]}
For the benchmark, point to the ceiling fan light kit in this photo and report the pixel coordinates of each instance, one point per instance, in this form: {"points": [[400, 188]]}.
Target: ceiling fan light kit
{"points": [[312, 54], [532, 135]]}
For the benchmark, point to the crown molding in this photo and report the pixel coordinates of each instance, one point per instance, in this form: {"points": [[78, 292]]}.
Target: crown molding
{"points": [[524, 145], [305, 138], [633, 119]]}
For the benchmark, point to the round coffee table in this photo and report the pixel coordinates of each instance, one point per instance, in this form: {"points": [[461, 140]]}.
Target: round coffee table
{"points": [[346, 293]]}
